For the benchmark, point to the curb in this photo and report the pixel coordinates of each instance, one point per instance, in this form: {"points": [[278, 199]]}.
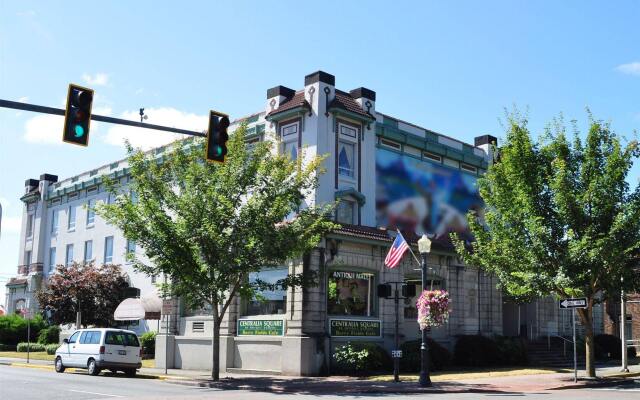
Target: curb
{"points": [[595, 384], [74, 370]]}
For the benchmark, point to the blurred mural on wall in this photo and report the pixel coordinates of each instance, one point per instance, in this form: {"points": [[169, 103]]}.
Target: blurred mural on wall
{"points": [[424, 197]]}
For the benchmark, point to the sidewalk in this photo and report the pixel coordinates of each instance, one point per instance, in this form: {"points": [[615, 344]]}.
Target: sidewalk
{"points": [[337, 384]]}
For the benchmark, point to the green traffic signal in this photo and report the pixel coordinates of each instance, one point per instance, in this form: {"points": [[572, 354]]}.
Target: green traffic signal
{"points": [[77, 116], [217, 137]]}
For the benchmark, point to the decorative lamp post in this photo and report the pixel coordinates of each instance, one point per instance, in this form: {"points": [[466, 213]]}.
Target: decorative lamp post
{"points": [[424, 247]]}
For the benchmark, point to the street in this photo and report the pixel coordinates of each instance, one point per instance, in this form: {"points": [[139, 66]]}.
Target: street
{"points": [[27, 384]]}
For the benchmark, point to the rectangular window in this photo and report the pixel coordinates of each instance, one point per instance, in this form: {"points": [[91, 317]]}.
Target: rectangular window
{"points": [[390, 144], [71, 225], [88, 251], [351, 293], [69, 256], [111, 198], [91, 215], [468, 167], [348, 131], [131, 247], [52, 259], [108, 249], [54, 221], [289, 134], [345, 212], [432, 156], [346, 159], [27, 257], [133, 195], [29, 226], [269, 300]]}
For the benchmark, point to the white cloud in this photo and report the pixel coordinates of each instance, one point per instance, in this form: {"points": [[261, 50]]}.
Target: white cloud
{"points": [[5, 203], [99, 79], [11, 224], [632, 68], [146, 138], [23, 99], [44, 129]]}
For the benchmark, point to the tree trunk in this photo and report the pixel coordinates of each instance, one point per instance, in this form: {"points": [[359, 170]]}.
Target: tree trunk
{"points": [[215, 345], [586, 317]]}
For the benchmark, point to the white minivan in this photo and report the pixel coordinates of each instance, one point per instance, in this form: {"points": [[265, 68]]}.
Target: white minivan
{"points": [[100, 348]]}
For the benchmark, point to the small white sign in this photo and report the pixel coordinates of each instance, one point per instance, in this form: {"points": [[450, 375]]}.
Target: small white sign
{"points": [[396, 353], [574, 303]]}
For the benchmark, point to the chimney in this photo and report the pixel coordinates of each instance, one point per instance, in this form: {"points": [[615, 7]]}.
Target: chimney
{"points": [[486, 143], [278, 95], [319, 91], [30, 184], [366, 98], [49, 178]]}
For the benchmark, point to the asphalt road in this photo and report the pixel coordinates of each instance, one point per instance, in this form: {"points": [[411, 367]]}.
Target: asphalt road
{"points": [[26, 384]]}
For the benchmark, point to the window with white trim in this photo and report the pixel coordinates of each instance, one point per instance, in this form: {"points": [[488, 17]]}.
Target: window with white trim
{"points": [[88, 251], [468, 167], [346, 159], [52, 259], [108, 249], [71, 221], [27, 257], [91, 215], [69, 256], [30, 226], [54, 221]]}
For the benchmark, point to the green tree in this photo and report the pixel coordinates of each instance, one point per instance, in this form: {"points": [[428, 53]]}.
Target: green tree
{"points": [[560, 217], [94, 290], [208, 225]]}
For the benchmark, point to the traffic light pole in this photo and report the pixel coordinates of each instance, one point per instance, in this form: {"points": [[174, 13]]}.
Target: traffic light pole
{"points": [[16, 105]]}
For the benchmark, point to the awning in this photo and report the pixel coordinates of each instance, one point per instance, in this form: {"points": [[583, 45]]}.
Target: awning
{"points": [[134, 309]]}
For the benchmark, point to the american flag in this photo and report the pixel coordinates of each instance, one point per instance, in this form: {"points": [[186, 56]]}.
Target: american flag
{"points": [[397, 250]]}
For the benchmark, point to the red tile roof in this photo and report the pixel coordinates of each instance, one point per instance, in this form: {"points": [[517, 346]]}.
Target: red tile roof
{"points": [[344, 101], [297, 100], [443, 243]]}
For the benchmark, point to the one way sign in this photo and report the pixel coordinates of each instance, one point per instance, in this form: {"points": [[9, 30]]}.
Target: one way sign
{"points": [[573, 303]]}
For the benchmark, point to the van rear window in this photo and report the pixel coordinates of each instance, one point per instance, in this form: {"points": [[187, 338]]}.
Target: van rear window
{"points": [[122, 338]]}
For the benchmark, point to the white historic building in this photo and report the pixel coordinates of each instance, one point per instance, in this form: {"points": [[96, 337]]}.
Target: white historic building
{"points": [[385, 173]]}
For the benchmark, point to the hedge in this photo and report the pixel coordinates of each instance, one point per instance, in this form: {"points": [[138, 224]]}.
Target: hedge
{"points": [[610, 347], [439, 357], [51, 348], [484, 351], [7, 347], [50, 335], [13, 328], [22, 347], [148, 343]]}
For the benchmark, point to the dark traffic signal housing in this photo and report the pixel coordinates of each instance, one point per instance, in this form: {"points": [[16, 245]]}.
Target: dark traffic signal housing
{"points": [[77, 116], [217, 136]]}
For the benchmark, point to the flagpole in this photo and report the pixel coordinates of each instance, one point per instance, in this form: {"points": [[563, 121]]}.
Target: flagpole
{"points": [[409, 247]]}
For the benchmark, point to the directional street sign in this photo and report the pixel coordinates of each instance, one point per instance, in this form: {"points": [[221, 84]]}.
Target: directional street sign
{"points": [[573, 303]]}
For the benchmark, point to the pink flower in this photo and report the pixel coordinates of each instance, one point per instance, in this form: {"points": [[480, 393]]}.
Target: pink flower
{"points": [[433, 308]]}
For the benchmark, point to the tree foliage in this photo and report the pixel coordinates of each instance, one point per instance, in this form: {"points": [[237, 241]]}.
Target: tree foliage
{"points": [[208, 225], [94, 290], [560, 216]]}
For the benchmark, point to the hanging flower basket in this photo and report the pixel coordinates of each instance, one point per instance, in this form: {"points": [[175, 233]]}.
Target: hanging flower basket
{"points": [[433, 308]]}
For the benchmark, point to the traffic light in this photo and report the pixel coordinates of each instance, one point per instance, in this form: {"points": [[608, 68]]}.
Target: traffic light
{"points": [[217, 136], [77, 117]]}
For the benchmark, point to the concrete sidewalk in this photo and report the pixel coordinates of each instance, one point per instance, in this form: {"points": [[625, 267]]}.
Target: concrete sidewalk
{"points": [[337, 384]]}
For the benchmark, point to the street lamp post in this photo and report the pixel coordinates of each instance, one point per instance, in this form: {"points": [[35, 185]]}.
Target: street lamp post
{"points": [[424, 246]]}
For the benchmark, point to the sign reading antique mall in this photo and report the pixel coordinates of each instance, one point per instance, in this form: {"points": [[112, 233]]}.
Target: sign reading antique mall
{"points": [[260, 327], [355, 328]]}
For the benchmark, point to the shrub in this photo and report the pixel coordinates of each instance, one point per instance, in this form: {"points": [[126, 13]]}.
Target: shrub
{"points": [[360, 358], [511, 351], [148, 343], [439, 357], [50, 335], [7, 347], [22, 347], [51, 348], [476, 351], [13, 328], [610, 347]]}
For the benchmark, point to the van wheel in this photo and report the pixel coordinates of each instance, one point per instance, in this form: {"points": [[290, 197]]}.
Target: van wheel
{"points": [[92, 367], [131, 373], [59, 366]]}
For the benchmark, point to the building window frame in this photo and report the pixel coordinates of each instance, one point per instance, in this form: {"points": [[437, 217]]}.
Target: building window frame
{"points": [[371, 308], [88, 251], [68, 259], [52, 259], [290, 138], [55, 222], [30, 224], [108, 250], [346, 204], [71, 218], [91, 215], [254, 307]]}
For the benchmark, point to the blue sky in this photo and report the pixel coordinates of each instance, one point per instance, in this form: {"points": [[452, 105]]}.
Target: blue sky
{"points": [[448, 66]]}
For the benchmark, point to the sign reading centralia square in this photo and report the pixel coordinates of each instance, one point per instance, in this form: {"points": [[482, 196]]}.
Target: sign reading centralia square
{"points": [[355, 328], [260, 327]]}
